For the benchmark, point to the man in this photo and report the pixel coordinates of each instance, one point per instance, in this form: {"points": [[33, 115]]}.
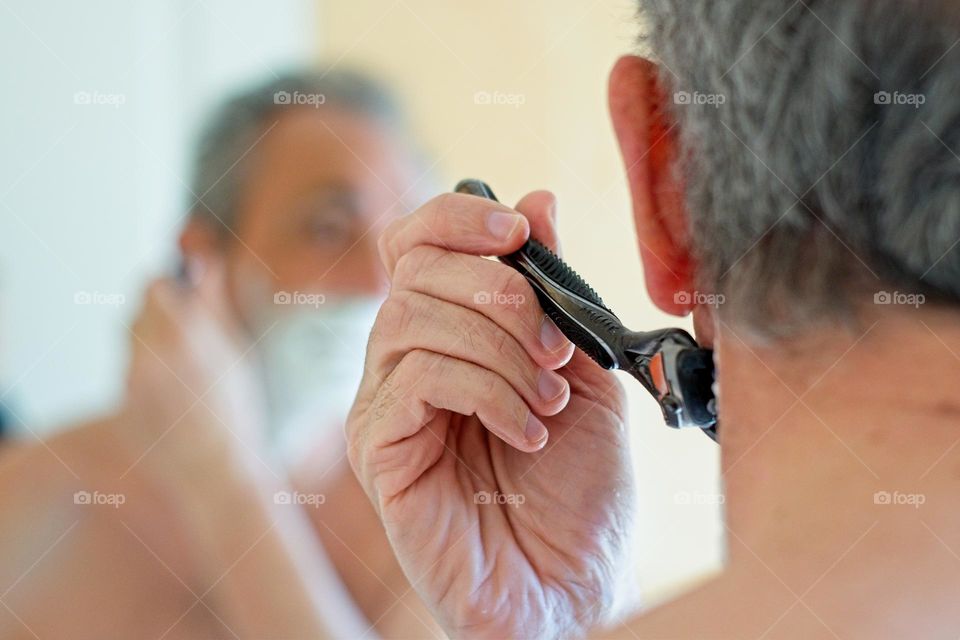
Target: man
{"points": [[798, 158], [202, 509]]}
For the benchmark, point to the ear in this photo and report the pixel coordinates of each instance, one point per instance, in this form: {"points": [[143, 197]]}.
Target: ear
{"points": [[199, 240], [648, 145]]}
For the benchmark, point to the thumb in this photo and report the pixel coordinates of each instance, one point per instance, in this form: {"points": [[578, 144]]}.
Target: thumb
{"points": [[210, 294]]}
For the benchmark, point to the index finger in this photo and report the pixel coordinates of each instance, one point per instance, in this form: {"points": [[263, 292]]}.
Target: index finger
{"points": [[456, 222]]}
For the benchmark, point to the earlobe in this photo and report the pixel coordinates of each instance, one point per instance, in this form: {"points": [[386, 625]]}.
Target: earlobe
{"points": [[197, 239], [649, 149]]}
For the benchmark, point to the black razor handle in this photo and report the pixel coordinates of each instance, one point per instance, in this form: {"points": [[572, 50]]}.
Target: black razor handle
{"points": [[565, 297], [667, 362]]}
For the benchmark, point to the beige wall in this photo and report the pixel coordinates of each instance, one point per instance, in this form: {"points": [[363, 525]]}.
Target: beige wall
{"points": [[554, 58]]}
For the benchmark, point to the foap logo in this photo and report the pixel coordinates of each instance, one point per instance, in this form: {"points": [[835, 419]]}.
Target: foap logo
{"points": [[885, 98], [896, 498], [301, 499], [99, 98], [96, 498], [89, 298], [686, 98], [299, 298], [696, 298], [697, 498], [499, 99], [498, 298], [299, 98], [888, 298], [497, 498]]}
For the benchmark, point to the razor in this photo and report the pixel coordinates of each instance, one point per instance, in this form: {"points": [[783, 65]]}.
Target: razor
{"points": [[667, 362]]}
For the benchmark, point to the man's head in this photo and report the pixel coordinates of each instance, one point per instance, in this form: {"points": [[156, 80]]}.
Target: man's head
{"points": [[293, 180], [796, 157]]}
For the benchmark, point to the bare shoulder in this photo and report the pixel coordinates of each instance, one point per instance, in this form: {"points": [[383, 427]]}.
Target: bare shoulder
{"points": [[85, 448], [734, 607], [77, 533]]}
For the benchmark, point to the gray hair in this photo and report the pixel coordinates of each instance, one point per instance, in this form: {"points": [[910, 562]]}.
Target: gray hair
{"points": [[226, 141], [819, 147]]}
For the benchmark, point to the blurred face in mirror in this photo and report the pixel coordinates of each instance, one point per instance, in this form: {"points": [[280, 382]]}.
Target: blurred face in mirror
{"points": [[321, 186], [304, 275]]}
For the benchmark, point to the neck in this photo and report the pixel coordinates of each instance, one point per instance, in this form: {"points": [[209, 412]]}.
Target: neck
{"points": [[819, 433]]}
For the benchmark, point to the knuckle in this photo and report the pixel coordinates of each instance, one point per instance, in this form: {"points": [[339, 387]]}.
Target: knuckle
{"points": [[355, 453], [387, 241], [512, 283], [449, 213], [484, 337], [519, 361], [411, 265], [352, 432], [446, 204], [435, 215], [386, 321], [406, 269], [387, 397], [516, 296], [397, 315], [414, 363], [530, 376], [489, 384], [501, 341], [509, 359], [471, 337]]}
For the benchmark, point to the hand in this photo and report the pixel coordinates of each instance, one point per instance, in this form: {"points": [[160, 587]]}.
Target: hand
{"points": [[193, 399], [504, 484], [193, 420]]}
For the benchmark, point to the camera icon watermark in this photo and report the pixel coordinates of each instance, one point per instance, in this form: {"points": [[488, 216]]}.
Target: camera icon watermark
{"points": [[89, 298], [499, 298], [698, 498], [297, 498], [300, 298], [96, 498], [686, 98], [499, 98], [896, 98], [897, 298], [896, 498], [697, 298], [299, 98], [497, 498], [99, 98]]}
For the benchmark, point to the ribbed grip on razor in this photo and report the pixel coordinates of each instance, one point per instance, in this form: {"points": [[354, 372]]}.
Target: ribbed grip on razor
{"points": [[575, 333], [581, 317], [560, 272], [587, 318]]}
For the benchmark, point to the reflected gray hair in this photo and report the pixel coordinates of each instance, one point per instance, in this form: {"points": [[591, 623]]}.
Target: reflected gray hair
{"points": [[819, 146], [227, 141]]}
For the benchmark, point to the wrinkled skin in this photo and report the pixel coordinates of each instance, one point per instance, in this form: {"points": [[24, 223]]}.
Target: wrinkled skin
{"points": [[442, 416]]}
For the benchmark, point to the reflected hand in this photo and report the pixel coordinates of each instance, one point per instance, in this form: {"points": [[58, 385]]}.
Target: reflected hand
{"points": [[496, 456], [193, 404]]}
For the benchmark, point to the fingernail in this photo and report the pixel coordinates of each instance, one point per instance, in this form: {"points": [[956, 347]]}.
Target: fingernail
{"points": [[501, 225], [550, 336], [551, 385], [535, 432]]}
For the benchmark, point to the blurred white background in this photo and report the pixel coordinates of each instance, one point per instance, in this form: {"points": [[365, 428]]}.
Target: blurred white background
{"points": [[101, 99]]}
